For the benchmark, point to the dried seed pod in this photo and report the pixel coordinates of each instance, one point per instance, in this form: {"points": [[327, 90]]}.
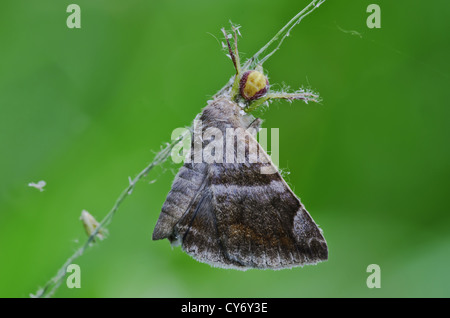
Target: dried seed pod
{"points": [[90, 224], [253, 85]]}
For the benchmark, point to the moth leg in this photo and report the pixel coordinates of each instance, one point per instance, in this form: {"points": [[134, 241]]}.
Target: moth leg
{"points": [[256, 124], [305, 95]]}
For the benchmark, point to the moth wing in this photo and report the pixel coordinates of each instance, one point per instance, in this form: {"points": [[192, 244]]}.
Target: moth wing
{"points": [[198, 233], [188, 217], [260, 222], [185, 187], [239, 215]]}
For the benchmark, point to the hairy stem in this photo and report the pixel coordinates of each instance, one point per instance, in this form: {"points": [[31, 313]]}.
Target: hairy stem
{"points": [[277, 40], [52, 285], [282, 34]]}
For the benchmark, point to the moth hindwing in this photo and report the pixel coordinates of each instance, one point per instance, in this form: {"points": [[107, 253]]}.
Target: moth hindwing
{"points": [[238, 213]]}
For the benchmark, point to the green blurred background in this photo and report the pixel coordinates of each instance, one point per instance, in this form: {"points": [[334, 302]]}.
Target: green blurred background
{"points": [[83, 109]]}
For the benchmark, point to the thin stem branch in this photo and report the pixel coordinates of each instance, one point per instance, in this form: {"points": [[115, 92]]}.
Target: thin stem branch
{"points": [[277, 39], [282, 34], [52, 285]]}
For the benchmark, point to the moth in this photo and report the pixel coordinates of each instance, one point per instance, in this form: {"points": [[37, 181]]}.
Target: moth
{"points": [[233, 213]]}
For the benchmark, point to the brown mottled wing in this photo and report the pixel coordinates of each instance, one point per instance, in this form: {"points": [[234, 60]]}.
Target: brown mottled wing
{"points": [[198, 233], [260, 221], [243, 219], [185, 188], [232, 215]]}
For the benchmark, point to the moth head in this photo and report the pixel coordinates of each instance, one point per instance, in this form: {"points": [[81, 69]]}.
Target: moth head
{"points": [[253, 85]]}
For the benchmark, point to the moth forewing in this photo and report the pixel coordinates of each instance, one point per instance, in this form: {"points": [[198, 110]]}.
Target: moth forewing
{"points": [[232, 214]]}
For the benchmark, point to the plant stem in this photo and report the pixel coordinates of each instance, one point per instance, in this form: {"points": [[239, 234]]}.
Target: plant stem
{"points": [[52, 285], [282, 34]]}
